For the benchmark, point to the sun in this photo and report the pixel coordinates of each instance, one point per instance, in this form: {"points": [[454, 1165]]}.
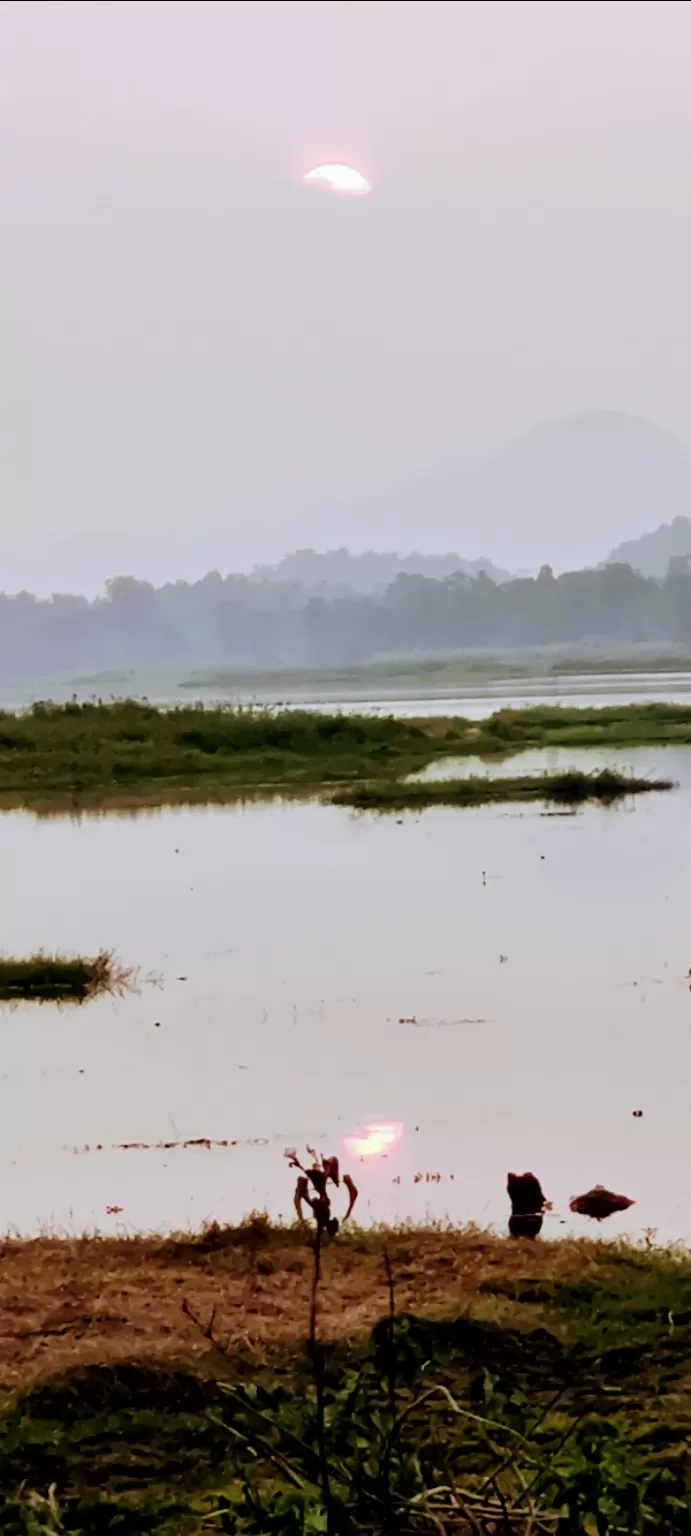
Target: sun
{"points": [[339, 178]]}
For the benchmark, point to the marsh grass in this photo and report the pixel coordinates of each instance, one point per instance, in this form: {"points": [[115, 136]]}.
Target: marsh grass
{"points": [[47, 978], [570, 788], [80, 756]]}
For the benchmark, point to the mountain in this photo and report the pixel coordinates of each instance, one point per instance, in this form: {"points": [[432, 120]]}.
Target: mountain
{"points": [[571, 486], [652, 553], [562, 494]]}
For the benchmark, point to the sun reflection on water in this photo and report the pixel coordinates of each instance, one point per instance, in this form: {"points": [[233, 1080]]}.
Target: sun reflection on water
{"points": [[376, 1139]]}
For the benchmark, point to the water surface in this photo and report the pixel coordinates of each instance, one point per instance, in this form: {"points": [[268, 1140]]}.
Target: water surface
{"points": [[290, 942]]}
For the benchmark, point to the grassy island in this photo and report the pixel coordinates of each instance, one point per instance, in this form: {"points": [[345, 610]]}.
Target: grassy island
{"points": [[558, 788]]}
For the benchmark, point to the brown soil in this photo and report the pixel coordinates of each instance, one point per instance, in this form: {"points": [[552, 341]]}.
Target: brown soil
{"points": [[65, 1303]]}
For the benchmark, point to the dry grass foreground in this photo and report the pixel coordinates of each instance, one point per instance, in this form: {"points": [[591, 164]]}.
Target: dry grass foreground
{"points": [[67, 1303]]}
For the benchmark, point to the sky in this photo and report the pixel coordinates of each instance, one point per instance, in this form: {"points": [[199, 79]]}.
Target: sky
{"points": [[194, 343]]}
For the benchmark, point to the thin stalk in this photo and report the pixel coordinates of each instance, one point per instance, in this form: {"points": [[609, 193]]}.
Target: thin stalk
{"points": [[317, 1357]]}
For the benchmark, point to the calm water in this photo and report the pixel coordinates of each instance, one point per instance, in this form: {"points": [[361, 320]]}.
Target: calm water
{"points": [[305, 935], [478, 702], [475, 701]]}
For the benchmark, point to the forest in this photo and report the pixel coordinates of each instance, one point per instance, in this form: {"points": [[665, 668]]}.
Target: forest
{"points": [[249, 623]]}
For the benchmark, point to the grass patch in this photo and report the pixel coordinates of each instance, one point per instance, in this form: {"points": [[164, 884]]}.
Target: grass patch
{"points": [[451, 1359], [573, 788], [88, 755], [58, 978], [613, 725]]}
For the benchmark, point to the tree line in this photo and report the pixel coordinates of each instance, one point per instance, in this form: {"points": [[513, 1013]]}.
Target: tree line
{"points": [[241, 622]]}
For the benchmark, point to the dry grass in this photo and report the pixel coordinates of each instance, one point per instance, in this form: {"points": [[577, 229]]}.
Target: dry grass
{"points": [[93, 1300], [140, 1422]]}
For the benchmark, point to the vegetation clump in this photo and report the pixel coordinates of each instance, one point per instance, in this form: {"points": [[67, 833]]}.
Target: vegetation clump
{"points": [[572, 788], [59, 978]]}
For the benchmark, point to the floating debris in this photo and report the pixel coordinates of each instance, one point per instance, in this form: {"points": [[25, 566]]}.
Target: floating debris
{"points": [[599, 1203], [439, 1023], [204, 1142]]}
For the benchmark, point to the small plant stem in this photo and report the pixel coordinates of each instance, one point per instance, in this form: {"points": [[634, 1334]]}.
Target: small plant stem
{"points": [[317, 1357]]}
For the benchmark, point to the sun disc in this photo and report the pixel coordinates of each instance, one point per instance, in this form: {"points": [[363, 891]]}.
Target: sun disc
{"points": [[338, 178]]}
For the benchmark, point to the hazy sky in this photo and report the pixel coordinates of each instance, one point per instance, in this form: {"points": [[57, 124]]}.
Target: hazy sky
{"points": [[190, 339]]}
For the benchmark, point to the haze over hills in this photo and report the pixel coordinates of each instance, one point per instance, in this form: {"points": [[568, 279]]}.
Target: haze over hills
{"points": [[562, 494], [371, 571], [603, 471], [652, 553], [235, 625]]}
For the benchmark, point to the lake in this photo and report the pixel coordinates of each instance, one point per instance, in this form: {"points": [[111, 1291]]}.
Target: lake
{"points": [[439, 999]]}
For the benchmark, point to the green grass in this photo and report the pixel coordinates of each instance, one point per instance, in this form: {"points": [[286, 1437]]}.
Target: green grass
{"points": [[578, 1390], [90, 754], [58, 978], [573, 788], [95, 751], [617, 725]]}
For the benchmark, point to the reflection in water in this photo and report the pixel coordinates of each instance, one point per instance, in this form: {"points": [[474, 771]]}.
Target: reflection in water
{"points": [[525, 1226], [537, 761], [375, 1140], [170, 802]]}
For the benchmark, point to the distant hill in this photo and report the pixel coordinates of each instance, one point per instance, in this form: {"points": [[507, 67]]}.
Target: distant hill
{"points": [[572, 485], [562, 493], [371, 571], [652, 553]]}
